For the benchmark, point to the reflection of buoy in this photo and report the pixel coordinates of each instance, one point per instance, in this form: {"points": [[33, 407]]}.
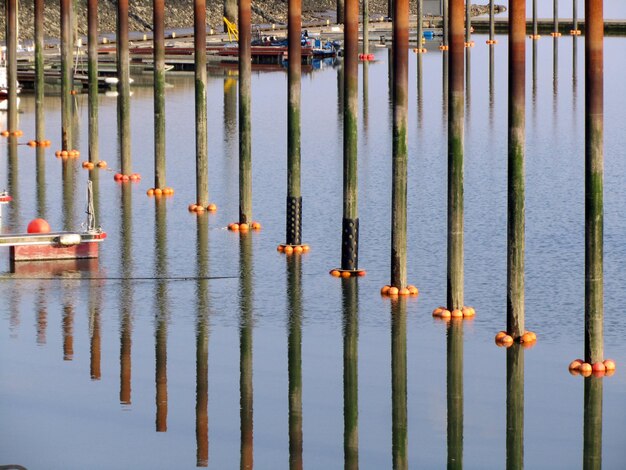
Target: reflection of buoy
{"points": [[38, 226]]}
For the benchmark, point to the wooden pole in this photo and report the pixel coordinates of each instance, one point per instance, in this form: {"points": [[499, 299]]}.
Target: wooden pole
{"points": [[294, 194], [515, 407], [11, 43], [575, 14], [92, 73], [350, 303], [341, 16], [454, 383], [40, 130], [366, 26], [66, 74], [400, 143], [202, 165], [294, 361], [516, 145], [535, 29], [158, 40], [399, 416], [455, 157], [592, 429], [492, 21], [245, 123], [555, 11], [123, 98], [420, 23], [350, 223], [230, 12], [444, 14], [594, 180]]}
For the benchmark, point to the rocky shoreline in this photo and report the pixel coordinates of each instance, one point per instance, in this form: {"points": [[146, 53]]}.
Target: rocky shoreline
{"points": [[179, 14]]}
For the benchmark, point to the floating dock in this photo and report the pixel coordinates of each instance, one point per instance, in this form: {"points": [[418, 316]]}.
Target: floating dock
{"points": [[53, 245]]}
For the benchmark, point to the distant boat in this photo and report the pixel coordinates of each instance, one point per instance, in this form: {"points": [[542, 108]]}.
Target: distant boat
{"points": [[4, 88]]}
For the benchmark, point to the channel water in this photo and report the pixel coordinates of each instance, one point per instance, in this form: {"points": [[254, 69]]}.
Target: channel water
{"points": [[188, 345]]}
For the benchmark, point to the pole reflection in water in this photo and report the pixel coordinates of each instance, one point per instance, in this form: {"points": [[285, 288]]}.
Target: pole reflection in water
{"points": [[555, 69], [126, 297], [162, 309], [574, 73], [420, 91], [492, 84], [535, 76], [468, 81], [68, 328], [350, 303], [41, 181], [399, 423], [245, 351], [592, 450], [294, 360], [454, 380], [202, 344], [95, 303], [69, 188], [42, 316], [515, 407]]}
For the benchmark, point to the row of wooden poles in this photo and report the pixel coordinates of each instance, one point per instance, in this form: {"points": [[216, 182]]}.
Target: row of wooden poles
{"points": [[399, 74]]}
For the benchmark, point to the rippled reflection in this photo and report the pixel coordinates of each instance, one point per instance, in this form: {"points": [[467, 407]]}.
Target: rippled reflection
{"points": [[350, 303], [592, 450]]}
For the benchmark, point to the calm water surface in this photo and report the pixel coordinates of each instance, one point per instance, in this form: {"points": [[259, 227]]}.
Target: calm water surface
{"points": [[190, 345]]}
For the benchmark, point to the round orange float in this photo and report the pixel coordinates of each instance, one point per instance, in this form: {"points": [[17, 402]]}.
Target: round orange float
{"points": [[38, 226]]}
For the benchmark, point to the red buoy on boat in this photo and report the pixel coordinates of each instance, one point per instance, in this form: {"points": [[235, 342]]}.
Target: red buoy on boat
{"points": [[38, 226]]}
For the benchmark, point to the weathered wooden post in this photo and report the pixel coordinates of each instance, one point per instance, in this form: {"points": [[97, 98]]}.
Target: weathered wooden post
{"points": [[230, 12], [158, 41], [92, 73], [202, 345], [11, 43], [468, 24], [40, 129], [444, 26], [399, 416], [455, 158], [341, 16], [366, 28], [245, 123], [68, 178], [420, 26], [350, 222], [515, 407], [535, 26], [161, 320], [516, 150], [246, 329], [294, 361], [66, 75], [40, 176], [202, 165], [350, 304], [555, 13], [123, 86], [400, 145], [575, 16], [294, 194], [454, 384], [594, 180], [592, 428], [492, 23]]}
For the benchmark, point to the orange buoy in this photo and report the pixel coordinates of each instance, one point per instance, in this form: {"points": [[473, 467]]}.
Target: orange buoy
{"points": [[393, 291], [361, 272], [598, 367], [243, 227], [575, 364], [5, 133], [403, 291], [297, 249], [101, 164], [65, 153], [280, 248], [609, 364], [211, 207], [526, 338], [445, 314], [256, 226], [32, 143], [384, 289], [585, 367], [500, 335], [118, 177], [126, 178], [437, 311], [306, 248], [334, 272], [507, 340], [346, 274], [289, 250], [38, 226], [234, 227], [413, 290]]}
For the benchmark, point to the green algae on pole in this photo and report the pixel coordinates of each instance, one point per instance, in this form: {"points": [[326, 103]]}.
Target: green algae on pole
{"points": [[399, 414], [40, 131], [594, 176], [245, 122], [350, 303], [92, 73], [516, 149], [66, 75], [455, 158], [515, 407], [123, 85], [454, 393], [202, 165], [158, 40], [400, 143], [294, 72]]}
